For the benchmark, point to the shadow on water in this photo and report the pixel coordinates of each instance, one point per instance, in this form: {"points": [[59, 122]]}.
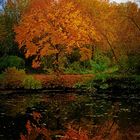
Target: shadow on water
{"points": [[43, 117]]}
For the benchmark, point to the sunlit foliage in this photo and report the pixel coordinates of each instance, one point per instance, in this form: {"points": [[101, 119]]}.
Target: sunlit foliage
{"points": [[118, 25], [54, 28]]}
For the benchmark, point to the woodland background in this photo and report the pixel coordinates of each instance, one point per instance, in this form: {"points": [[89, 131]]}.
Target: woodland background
{"points": [[69, 37]]}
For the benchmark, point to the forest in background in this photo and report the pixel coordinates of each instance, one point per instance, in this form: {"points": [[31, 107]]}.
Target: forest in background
{"points": [[69, 37]]}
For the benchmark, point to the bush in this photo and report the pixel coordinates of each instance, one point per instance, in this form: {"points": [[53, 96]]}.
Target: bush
{"points": [[12, 78], [31, 83], [77, 68], [134, 63], [11, 61], [101, 67], [130, 64], [100, 62]]}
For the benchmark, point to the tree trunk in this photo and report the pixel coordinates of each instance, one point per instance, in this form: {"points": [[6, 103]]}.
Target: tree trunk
{"points": [[112, 50], [56, 62], [92, 51], [135, 23]]}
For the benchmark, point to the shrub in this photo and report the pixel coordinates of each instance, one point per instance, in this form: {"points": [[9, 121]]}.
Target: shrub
{"points": [[11, 61], [133, 63], [130, 64], [100, 62], [77, 68], [31, 83], [99, 81], [12, 78]]}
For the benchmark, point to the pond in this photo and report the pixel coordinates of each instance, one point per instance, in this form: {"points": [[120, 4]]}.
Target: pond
{"points": [[68, 116]]}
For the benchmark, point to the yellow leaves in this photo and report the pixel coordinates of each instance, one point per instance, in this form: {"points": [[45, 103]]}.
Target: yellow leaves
{"points": [[132, 9], [69, 50], [51, 52], [47, 51], [51, 16], [70, 5], [85, 54], [71, 42]]}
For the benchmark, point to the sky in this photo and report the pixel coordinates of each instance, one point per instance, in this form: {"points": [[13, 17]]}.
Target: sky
{"points": [[123, 1], [118, 1]]}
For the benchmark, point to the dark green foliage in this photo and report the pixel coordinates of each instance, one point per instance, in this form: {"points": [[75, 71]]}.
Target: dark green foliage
{"points": [[130, 64], [78, 68], [116, 84], [7, 36], [47, 62], [11, 61], [134, 63], [74, 56], [99, 81], [75, 68]]}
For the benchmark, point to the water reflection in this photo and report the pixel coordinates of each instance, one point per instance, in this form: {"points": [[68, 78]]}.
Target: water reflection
{"points": [[68, 117]]}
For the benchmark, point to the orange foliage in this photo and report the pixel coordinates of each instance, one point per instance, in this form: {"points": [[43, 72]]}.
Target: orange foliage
{"points": [[36, 116], [108, 130], [50, 28], [28, 127], [34, 130]]}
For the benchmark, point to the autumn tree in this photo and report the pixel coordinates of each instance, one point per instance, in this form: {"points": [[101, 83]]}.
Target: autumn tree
{"points": [[104, 21], [54, 28], [118, 25], [129, 29]]}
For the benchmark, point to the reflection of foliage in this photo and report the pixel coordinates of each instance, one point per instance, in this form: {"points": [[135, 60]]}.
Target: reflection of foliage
{"points": [[62, 114], [34, 128], [69, 116], [21, 104], [58, 112], [72, 134]]}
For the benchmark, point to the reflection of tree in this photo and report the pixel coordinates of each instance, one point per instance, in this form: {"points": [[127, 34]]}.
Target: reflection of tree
{"points": [[109, 130], [34, 128], [61, 116]]}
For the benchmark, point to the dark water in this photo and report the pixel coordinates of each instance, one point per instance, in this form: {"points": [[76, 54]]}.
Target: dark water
{"points": [[49, 117]]}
